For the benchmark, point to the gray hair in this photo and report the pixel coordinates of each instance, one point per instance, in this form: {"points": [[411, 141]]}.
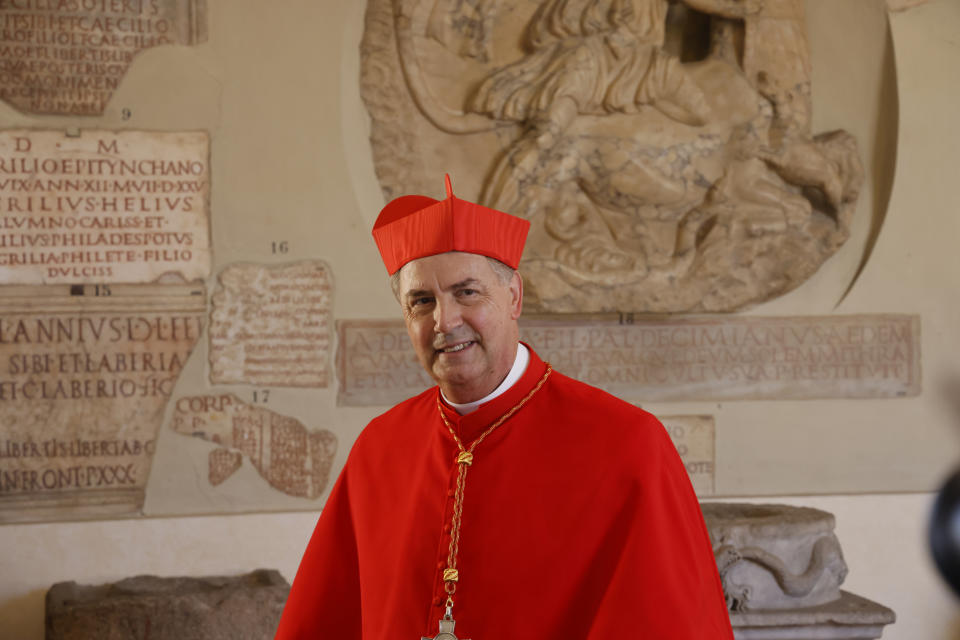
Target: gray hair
{"points": [[503, 272]]}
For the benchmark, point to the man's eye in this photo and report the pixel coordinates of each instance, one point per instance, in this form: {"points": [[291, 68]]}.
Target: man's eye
{"points": [[417, 302]]}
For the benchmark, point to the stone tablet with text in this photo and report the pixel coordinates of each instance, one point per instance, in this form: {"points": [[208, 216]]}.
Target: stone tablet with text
{"points": [[103, 206], [292, 458], [695, 358], [694, 438], [83, 388], [69, 56], [271, 325]]}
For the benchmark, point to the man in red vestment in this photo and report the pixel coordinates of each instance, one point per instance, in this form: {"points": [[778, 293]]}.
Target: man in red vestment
{"points": [[510, 502]]}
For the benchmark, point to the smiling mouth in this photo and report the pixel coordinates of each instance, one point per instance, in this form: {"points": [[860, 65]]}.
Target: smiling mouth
{"points": [[456, 348]]}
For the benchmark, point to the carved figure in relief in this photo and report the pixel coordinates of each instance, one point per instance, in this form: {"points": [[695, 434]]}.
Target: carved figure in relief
{"points": [[463, 26], [775, 556], [652, 183], [590, 58], [826, 558]]}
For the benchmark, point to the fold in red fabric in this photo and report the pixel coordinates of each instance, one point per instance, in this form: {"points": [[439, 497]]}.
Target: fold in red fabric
{"points": [[579, 522]]}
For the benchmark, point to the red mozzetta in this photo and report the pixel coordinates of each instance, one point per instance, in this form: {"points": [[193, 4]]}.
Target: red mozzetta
{"points": [[579, 522]]}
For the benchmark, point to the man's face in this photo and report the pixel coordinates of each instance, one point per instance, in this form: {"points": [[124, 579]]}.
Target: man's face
{"points": [[462, 321]]}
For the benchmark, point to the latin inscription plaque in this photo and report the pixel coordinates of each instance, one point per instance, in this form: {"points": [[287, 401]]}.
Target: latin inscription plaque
{"points": [[69, 56], [698, 358], [292, 458], [376, 364], [103, 207], [271, 325], [694, 439], [83, 386]]}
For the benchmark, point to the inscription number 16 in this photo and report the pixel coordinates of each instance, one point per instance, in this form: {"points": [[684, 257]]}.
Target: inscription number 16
{"points": [[281, 246]]}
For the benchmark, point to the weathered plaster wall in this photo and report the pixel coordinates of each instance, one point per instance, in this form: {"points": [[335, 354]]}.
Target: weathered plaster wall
{"points": [[882, 533]]}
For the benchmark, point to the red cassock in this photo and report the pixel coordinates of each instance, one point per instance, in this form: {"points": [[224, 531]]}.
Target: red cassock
{"points": [[579, 522]]}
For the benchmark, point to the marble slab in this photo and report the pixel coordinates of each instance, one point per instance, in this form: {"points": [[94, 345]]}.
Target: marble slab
{"points": [[68, 57], [850, 617], [271, 326], [692, 358], [103, 206], [290, 457], [83, 388], [694, 438]]}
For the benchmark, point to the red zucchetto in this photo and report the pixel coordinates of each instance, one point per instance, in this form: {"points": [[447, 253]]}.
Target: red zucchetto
{"points": [[412, 227]]}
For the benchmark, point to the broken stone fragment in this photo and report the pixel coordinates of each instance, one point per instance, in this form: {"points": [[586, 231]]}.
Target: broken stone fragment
{"points": [[223, 464], [292, 458], [245, 607]]}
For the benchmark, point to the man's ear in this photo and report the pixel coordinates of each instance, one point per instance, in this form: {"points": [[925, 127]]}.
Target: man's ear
{"points": [[516, 295]]}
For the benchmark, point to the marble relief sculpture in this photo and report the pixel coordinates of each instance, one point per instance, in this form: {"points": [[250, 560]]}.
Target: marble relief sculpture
{"points": [[775, 556], [663, 151], [781, 568]]}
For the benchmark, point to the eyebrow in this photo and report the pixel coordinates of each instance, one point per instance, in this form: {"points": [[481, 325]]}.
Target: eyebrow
{"points": [[414, 293]]}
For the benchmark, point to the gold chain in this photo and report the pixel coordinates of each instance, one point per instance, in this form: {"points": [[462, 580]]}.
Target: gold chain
{"points": [[464, 459]]}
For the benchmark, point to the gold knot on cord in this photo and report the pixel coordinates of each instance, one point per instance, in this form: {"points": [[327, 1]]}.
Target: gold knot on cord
{"points": [[465, 457], [451, 575]]}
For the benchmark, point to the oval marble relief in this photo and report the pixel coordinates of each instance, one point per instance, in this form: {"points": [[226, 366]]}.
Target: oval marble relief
{"points": [[664, 152]]}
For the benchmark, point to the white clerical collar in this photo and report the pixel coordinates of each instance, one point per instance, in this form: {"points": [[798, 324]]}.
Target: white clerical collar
{"points": [[519, 367]]}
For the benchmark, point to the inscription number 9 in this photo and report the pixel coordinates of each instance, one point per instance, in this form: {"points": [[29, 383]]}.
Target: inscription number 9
{"points": [[126, 113]]}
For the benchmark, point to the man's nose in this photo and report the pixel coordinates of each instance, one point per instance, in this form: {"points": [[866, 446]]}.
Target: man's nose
{"points": [[446, 316]]}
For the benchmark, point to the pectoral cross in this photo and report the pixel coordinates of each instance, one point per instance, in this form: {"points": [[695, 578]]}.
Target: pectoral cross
{"points": [[446, 628]]}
